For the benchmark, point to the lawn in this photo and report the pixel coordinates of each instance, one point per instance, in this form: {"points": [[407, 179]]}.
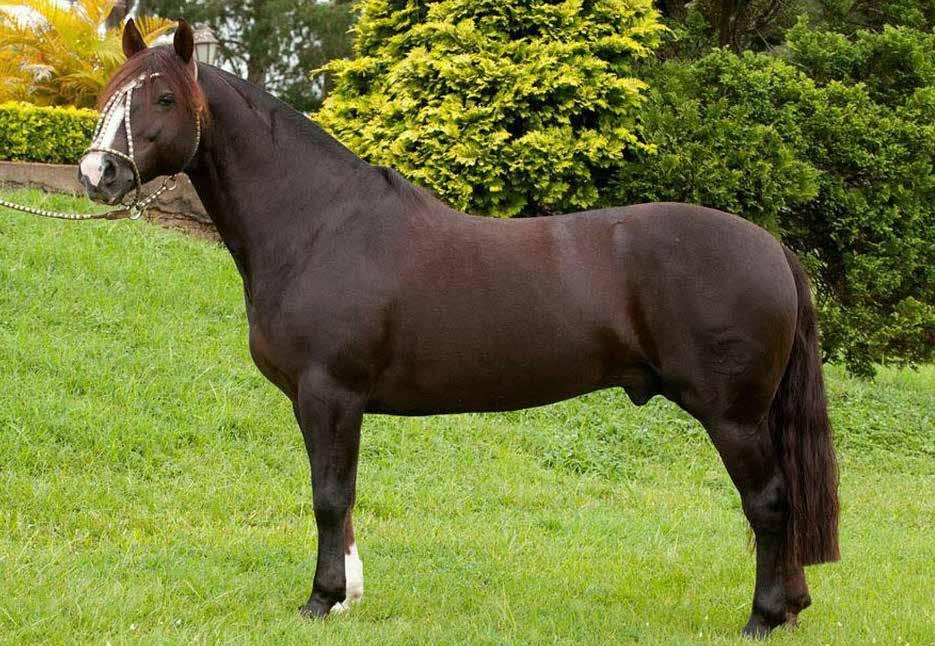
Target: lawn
{"points": [[154, 487]]}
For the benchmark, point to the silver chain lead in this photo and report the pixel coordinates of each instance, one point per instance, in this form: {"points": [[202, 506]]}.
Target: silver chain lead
{"points": [[133, 211]]}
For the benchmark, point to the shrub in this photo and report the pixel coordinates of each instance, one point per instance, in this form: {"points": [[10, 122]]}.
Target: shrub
{"points": [[51, 135], [525, 107], [734, 144], [845, 179], [892, 63], [503, 107]]}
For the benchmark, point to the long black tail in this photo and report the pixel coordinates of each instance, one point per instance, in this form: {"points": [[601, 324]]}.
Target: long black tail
{"points": [[801, 432]]}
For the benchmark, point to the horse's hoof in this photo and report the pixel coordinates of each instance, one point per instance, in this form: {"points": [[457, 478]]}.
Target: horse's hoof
{"points": [[756, 628], [318, 609], [793, 608], [314, 609]]}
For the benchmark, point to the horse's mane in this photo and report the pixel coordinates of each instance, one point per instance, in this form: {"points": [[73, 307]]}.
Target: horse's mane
{"points": [[265, 104], [174, 72]]}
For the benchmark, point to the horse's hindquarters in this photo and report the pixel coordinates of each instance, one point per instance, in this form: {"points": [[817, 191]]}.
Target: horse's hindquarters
{"points": [[712, 303]]}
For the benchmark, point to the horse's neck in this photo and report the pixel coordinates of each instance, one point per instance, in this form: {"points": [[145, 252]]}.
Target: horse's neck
{"points": [[270, 180]]}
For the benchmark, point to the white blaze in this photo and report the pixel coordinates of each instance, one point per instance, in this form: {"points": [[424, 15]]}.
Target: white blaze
{"points": [[92, 164]]}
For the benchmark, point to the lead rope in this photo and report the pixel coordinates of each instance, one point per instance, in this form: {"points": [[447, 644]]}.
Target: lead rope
{"points": [[133, 211]]}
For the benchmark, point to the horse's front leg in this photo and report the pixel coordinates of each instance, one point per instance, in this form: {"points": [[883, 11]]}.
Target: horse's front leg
{"points": [[330, 416]]}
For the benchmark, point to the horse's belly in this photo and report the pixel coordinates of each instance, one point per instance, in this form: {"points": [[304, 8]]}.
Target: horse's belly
{"points": [[499, 370], [476, 396]]}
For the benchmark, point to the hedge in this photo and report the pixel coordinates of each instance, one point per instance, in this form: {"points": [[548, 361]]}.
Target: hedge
{"points": [[844, 174], [50, 135]]}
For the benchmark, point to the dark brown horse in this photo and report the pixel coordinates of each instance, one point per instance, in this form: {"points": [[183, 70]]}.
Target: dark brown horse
{"points": [[365, 294]]}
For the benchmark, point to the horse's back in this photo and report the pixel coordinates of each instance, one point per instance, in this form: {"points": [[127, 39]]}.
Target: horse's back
{"points": [[654, 298]]}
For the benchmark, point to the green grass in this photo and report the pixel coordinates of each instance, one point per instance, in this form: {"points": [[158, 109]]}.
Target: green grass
{"points": [[153, 486]]}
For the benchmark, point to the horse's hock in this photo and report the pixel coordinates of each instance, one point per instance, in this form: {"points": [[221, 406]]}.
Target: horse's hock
{"points": [[178, 209]]}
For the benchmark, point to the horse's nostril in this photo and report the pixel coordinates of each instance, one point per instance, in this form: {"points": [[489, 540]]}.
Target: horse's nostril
{"points": [[108, 172]]}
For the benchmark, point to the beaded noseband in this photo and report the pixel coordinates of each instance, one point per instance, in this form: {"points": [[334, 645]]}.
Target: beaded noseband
{"points": [[135, 209]]}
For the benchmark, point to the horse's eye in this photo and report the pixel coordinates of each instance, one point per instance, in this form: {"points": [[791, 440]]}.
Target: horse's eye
{"points": [[166, 100]]}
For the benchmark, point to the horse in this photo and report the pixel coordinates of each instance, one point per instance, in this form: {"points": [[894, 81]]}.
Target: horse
{"points": [[366, 294]]}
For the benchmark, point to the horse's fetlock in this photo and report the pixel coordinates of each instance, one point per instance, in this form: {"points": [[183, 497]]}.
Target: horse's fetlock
{"points": [[799, 603], [771, 606], [329, 590]]}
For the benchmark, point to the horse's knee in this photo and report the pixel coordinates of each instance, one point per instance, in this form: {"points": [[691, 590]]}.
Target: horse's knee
{"points": [[331, 507]]}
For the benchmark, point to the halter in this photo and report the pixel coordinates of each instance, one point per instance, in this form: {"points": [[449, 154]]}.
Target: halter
{"points": [[108, 114], [135, 209]]}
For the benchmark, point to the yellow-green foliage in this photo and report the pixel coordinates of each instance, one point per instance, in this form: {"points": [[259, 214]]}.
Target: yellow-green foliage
{"points": [[503, 107], [53, 53], [52, 135]]}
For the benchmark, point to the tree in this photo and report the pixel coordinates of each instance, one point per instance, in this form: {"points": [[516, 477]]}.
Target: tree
{"points": [[848, 16], [736, 24], [701, 25], [276, 44], [504, 107], [52, 54], [119, 13]]}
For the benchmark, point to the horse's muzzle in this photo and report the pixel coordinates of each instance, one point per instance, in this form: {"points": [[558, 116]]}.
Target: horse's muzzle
{"points": [[106, 178]]}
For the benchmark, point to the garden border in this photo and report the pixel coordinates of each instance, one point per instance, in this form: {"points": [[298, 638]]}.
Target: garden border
{"points": [[179, 209]]}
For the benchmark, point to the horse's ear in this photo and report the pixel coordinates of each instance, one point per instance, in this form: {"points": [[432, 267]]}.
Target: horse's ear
{"points": [[184, 42], [133, 42]]}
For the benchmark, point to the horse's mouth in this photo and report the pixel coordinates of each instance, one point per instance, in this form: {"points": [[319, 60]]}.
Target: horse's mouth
{"points": [[104, 178]]}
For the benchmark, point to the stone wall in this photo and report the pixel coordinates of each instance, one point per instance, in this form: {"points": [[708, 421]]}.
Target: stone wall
{"points": [[178, 209]]}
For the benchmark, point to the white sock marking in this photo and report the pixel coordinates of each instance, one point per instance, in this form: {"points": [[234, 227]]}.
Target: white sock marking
{"points": [[354, 580], [354, 575]]}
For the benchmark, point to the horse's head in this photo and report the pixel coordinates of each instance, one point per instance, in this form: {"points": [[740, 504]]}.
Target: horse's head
{"points": [[151, 115]]}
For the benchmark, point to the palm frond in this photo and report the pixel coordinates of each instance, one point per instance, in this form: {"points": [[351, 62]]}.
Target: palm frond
{"points": [[152, 27], [68, 43]]}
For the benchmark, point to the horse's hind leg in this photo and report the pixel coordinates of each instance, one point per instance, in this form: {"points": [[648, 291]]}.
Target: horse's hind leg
{"points": [[751, 461], [797, 596]]}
